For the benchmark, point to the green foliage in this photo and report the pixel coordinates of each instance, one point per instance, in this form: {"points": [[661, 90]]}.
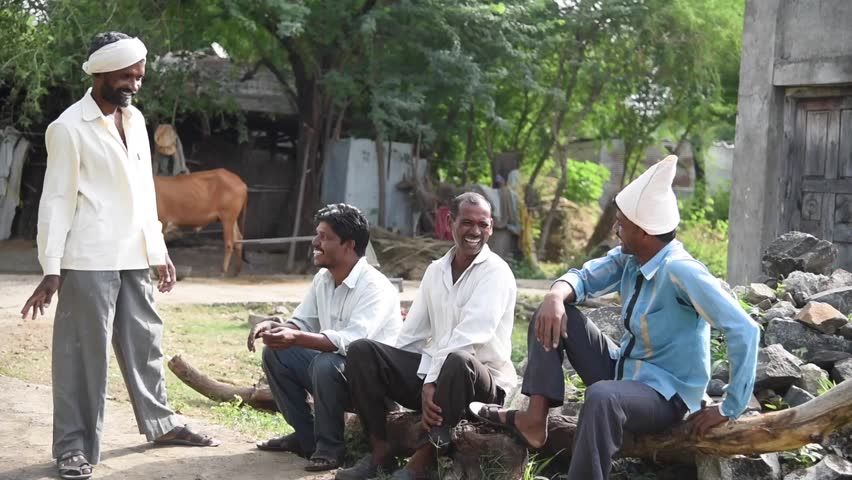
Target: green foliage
{"points": [[536, 466], [519, 341], [586, 181], [804, 457], [707, 243], [825, 384], [718, 349], [249, 420], [524, 268], [577, 382]]}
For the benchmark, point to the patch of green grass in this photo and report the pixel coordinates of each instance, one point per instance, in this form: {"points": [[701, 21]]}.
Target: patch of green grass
{"points": [[708, 243], [519, 341], [825, 385], [250, 421]]}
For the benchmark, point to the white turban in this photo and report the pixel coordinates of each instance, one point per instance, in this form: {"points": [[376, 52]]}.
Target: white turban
{"points": [[649, 201], [115, 56]]}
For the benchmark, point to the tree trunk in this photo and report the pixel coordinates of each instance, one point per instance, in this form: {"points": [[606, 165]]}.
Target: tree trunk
{"points": [[475, 443], [382, 177], [562, 156]]}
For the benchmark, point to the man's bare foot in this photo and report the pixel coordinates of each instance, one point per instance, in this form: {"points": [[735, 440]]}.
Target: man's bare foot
{"points": [[184, 435]]}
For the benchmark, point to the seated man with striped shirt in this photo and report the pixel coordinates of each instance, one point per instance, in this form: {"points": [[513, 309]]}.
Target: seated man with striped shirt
{"points": [[661, 367]]}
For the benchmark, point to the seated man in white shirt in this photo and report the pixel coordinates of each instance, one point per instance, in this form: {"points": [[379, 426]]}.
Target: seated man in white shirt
{"points": [[348, 300], [455, 347]]}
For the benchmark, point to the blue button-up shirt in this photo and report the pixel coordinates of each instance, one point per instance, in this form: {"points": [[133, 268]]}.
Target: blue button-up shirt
{"points": [[678, 302]]}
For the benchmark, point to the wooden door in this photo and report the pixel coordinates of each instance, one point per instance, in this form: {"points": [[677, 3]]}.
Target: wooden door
{"points": [[820, 172]]}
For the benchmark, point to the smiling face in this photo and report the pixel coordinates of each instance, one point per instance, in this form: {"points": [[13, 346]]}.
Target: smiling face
{"points": [[471, 228], [119, 87], [328, 251], [629, 234]]}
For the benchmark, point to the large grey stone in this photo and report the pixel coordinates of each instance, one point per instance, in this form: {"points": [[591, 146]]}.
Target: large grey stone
{"points": [[842, 370], [759, 292], [831, 467], [839, 298], [841, 278], [845, 331], [827, 358], [802, 285], [796, 396], [803, 341], [776, 368], [716, 387], [608, 320], [822, 317], [781, 309], [812, 375], [798, 251], [738, 467]]}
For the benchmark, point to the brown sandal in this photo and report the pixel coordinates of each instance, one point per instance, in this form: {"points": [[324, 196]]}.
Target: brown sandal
{"points": [[491, 414], [184, 436], [319, 464]]}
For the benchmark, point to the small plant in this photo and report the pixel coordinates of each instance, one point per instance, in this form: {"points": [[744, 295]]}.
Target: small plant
{"points": [[248, 420], [578, 384], [718, 350], [804, 457], [776, 403], [825, 384], [535, 467]]}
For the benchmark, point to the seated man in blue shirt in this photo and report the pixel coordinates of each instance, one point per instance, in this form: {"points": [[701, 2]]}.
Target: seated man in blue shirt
{"points": [[661, 366]]}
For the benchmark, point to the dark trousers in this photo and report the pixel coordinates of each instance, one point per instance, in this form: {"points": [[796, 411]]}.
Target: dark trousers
{"points": [[611, 407], [293, 373], [377, 371]]}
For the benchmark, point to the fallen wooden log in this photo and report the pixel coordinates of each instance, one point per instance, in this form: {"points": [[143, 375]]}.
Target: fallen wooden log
{"points": [[770, 432], [257, 396]]}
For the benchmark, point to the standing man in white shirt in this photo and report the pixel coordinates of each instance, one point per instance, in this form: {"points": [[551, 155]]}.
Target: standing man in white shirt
{"points": [[455, 347], [98, 234], [348, 300]]}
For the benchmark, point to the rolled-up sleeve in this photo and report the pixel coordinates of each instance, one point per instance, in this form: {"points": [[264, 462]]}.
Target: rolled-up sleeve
{"points": [[376, 309], [742, 335], [59, 197], [597, 277]]}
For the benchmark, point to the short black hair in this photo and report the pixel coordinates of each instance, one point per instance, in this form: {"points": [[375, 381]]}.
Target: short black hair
{"points": [[666, 237], [105, 38], [348, 223], [472, 198]]}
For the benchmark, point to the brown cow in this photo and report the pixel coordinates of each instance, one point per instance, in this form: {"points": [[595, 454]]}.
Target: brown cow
{"points": [[198, 199]]}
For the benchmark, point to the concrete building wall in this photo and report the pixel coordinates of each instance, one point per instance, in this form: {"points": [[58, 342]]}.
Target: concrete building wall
{"points": [[786, 43]]}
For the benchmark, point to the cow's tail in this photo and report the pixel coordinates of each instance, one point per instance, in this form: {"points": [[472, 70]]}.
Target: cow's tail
{"points": [[242, 222]]}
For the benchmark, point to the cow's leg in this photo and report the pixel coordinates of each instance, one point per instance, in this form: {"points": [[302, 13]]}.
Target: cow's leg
{"points": [[228, 234], [238, 247]]}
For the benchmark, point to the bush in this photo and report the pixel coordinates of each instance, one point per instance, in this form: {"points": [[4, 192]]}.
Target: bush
{"points": [[586, 181]]}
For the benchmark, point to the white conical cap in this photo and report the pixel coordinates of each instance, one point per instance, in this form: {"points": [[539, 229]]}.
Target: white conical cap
{"points": [[649, 201]]}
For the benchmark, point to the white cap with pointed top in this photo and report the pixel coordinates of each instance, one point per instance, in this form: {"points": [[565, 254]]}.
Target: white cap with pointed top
{"points": [[649, 201]]}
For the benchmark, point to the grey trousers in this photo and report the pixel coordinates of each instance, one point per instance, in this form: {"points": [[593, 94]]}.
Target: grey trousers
{"points": [[293, 373], [96, 307], [611, 407]]}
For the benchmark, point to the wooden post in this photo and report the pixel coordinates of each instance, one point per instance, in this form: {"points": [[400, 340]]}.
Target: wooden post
{"points": [[291, 253]]}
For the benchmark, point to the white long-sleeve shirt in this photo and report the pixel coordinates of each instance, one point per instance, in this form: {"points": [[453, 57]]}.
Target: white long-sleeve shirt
{"points": [[474, 315], [98, 210], [364, 305]]}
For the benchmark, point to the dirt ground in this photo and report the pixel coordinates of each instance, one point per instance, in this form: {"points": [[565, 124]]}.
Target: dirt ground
{"points": [[26, 409]]}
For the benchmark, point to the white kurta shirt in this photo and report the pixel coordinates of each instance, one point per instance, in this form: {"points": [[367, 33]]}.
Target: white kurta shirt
{"points": [[364, 305], [98, 210], [474, 315]]}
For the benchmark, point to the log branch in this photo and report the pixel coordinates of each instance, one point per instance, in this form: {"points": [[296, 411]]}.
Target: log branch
{"points": [[771, 432]]}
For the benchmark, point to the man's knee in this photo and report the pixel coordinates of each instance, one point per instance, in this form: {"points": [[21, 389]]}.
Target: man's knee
{"points": [[458, 361], [279, 360], [326, 365], [601, 394], [359, 351]]}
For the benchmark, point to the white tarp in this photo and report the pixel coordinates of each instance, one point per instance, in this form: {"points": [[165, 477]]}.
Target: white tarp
{"points": [[13, 153]]}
